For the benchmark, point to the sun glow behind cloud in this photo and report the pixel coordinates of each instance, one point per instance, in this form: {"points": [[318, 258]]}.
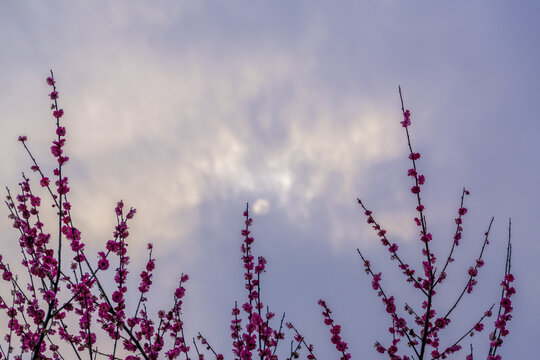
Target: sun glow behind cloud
{"points": [[197, 129]]}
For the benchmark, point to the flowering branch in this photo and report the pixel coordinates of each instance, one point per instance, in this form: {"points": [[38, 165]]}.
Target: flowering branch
{"points": [[429, 325]]}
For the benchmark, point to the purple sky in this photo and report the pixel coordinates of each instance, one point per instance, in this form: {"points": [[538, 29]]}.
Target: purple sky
{"points": [[187, 110]]}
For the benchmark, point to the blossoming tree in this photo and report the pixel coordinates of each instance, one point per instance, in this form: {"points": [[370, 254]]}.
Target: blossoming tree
{"points": [[59, 304]]}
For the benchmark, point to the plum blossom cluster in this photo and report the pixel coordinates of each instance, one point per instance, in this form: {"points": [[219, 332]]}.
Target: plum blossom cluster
{"points": [[422, 332], [64, 306]]}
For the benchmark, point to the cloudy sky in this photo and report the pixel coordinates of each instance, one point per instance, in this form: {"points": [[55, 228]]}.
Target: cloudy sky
{"points": [[187, 110]]}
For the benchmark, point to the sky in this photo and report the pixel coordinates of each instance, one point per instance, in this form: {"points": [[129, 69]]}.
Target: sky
{"points": [[187, 110]]}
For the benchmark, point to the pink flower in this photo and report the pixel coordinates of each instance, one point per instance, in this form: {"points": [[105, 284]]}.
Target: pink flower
{"points": [[406, 119], [341, 346], [479, 263], [49, 296], [415, 189], [457, 237], [117, 296], [7, 275], [179, 292], [62, 160], [506, 303], [401, 323], [35, 201], [414, 156], [471, 285], [44, 182], [375, 281], [119, 207], [426, 237], [390, 306], [50, 81], [22, 138], [103, 264], [54, 95], [440, 323], [131, 213], [61, 131], [56, 150], [58, 113]]}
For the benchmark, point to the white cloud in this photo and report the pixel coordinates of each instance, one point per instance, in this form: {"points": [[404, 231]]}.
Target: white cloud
{"points": [[167, 135]]}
